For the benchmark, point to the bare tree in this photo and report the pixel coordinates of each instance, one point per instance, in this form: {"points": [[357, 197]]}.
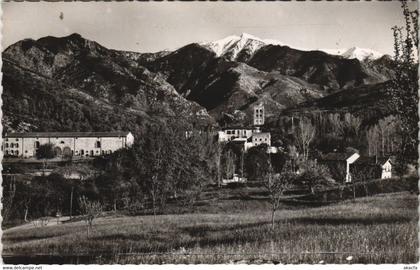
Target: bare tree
{"points": [[335, 123], [218, 156], [8, 198], [230, 158], [276, 185], [90, 210], [382, 127], [292, 155], [372, 136], [305, 135], [350, 126]]}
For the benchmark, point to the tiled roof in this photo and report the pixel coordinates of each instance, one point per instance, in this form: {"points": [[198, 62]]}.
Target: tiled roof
{"points": [[67, 134], [371, 160], [238, 128], [261, 134]]}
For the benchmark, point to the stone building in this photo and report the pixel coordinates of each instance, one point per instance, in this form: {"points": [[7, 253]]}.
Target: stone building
{"points": [[66, 143]]}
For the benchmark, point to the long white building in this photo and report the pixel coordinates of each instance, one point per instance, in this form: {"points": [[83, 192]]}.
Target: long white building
{"points": [[66, 143]]}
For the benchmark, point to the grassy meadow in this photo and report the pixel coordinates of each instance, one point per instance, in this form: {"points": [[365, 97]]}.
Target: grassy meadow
{"points": [[377, 229]]}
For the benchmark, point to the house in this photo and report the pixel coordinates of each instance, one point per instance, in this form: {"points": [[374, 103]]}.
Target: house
{"points": [[372, 167], [66, 143], [339, 164], [231, 133]]}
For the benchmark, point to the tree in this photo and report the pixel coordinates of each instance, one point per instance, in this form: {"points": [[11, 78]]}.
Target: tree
{"points": [[157, 167], [90, 210], [218, 157], [45, 152], [8, 197], [73, 170], [350, 127], [257, 162], [229, 163], [305, 135], [404, 87], [372, 137], [276, 184], [313, 174]]}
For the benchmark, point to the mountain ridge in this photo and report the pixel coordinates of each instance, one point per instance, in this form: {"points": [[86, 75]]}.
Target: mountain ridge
{"points": [[192, 83], [231, 46]]}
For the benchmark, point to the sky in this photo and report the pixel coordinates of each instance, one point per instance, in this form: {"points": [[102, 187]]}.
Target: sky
{"points": [[156, 26]]}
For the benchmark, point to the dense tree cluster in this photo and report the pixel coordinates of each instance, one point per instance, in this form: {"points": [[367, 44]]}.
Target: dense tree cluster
{"points": [[165, 164]]}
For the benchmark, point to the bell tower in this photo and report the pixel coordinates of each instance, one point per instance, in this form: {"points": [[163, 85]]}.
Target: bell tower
{"points": [[259, 115]]}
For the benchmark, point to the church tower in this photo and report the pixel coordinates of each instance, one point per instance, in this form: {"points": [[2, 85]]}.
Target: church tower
{"points": [[259, 115]]}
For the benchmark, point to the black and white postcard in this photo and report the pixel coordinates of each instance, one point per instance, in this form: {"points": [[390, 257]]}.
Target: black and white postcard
{"points": [[210, 132]]}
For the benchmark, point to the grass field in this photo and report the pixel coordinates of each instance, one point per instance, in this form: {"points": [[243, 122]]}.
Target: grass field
{"points": [[377, 229]]}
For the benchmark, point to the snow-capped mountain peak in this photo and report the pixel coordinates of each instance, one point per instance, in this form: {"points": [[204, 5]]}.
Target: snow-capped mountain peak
{"points": [[221, 45], [362, 54], [234, 47], [231, 46]]}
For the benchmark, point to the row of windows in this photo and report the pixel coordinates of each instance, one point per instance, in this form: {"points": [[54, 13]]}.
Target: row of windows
{"points": [[37, 144], [119, 137], [256, 139], [82, 152], [12, 152], [92, 152], [259, 111], [231, 132], [12, 145]]}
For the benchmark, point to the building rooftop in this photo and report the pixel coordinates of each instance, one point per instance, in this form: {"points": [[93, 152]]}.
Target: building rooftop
{"points": [[238, 127], [336, 156], [67, 134], [261, 134], [371, 160]]}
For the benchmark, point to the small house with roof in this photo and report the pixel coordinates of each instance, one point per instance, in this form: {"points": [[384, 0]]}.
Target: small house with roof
{"points": [[339, 164], [373, 167]]}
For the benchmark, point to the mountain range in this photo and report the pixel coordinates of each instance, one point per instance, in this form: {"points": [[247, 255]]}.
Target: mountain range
{"points": [[71, 83], [237, 47]]}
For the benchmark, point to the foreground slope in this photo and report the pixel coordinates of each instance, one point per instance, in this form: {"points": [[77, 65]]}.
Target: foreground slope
{"points": [[364, 228]]}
